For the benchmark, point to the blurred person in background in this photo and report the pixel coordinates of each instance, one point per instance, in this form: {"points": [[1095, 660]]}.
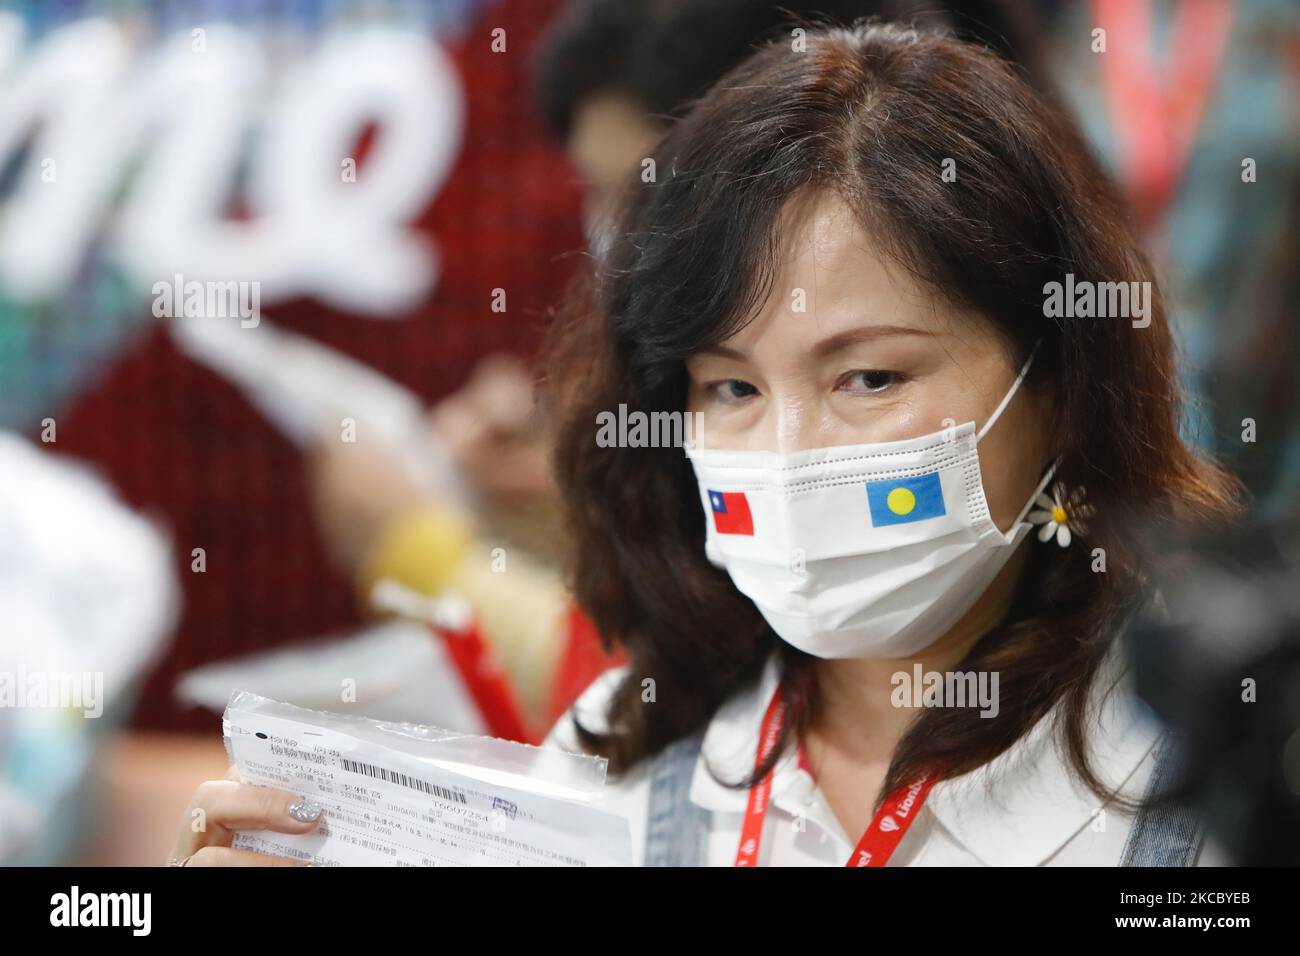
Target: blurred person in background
{"points": [[1195, 107], [88, 601]]}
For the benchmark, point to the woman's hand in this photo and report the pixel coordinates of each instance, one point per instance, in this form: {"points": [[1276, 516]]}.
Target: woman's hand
{"points": [[497, 436], [228, 805], [357, 490]]}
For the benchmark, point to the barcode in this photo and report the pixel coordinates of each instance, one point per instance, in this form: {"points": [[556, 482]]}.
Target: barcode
{"points": [[393, 776]]}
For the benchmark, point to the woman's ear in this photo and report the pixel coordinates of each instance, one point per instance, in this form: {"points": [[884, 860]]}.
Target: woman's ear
{"points": [[1047, 427]]}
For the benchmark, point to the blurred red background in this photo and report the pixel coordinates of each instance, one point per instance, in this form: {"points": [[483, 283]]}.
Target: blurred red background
{"points": [[180, 443]]}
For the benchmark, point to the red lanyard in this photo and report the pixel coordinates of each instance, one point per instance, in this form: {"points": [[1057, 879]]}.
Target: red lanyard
{"points": [[1157, 118], [487, 682], [883, 834]]}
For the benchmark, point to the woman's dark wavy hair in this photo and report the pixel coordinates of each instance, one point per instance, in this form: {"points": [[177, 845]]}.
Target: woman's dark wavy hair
{"points": [[868, 112]]}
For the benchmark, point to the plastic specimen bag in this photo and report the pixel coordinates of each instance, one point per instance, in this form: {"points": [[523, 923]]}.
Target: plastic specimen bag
{"points": [[409, 795]]}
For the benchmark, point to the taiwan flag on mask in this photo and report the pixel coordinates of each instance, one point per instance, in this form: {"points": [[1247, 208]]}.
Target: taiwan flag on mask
{"points": [[731, 512]]}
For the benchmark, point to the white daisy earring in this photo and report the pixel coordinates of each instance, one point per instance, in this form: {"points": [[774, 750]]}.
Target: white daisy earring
{"points": [[1061, 515]]}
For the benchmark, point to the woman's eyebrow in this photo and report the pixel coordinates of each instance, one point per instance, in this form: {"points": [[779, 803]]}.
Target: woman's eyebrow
{"points": [[723, 352], [843, 340]]}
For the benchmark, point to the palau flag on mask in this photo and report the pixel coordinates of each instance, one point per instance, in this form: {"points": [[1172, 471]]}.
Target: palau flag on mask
{"points": [[731, 512], [904, 500]]}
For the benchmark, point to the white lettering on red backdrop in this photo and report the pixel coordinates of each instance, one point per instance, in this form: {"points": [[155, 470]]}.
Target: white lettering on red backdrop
{"points": [[142, 148]]}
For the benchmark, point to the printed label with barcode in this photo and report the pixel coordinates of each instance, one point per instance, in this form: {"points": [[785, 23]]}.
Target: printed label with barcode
{"points": [[395, 776], [385, 806]]}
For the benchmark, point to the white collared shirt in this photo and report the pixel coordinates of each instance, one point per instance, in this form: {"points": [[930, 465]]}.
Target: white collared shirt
{"points": [[1025, 808]]}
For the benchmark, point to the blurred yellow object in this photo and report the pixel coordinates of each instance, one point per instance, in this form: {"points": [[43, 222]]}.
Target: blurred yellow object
{"points": [[421, 548], [522, 607]]}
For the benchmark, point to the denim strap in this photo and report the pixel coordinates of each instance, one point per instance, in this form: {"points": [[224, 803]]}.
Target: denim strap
{"points": [[676, 829], [1164, 833]]}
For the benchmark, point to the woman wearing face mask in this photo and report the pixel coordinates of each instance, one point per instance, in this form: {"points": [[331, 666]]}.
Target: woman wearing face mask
{"points": [[909, 476]]}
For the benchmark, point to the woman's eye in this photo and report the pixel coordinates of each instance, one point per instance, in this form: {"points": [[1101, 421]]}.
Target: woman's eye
{"points": [[870, 381], [732, 390]]}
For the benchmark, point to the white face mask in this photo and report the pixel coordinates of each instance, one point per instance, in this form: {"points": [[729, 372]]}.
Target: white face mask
{"points": [[871, 550]]}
